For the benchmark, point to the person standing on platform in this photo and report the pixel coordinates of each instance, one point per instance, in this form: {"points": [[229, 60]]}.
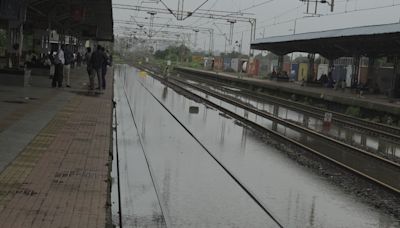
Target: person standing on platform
{"points": [[106, 63], [69, 60], [89, 67], [59, 68], [97, 62], [79, 59]]}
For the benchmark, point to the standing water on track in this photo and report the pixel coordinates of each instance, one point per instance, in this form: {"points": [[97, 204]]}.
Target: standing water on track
{"points": [[296, 195]]}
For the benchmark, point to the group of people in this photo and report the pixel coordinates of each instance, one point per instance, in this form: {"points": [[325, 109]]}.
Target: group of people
{"points": [[327, 80], [62, 62], [96, 65], [96, 62]]}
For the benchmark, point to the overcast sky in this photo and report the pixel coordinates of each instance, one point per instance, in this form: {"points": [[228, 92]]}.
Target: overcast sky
{"points": [[274, 17]]}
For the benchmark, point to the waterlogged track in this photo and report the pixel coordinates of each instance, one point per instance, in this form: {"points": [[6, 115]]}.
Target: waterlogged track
{"points": [[167, 178], [375, 168], [190, 189], [374, 128], [344, 128]]}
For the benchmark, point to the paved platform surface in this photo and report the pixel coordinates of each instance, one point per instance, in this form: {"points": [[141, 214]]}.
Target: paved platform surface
{"points": [[54, 150], [369, 101]]}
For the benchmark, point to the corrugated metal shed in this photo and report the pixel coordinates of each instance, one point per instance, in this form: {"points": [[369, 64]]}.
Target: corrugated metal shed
{"points": [[90, 19], [367, 40]]}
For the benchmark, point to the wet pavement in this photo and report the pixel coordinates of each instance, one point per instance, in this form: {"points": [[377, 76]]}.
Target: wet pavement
{"points": [[54, 151], [193, 191]]}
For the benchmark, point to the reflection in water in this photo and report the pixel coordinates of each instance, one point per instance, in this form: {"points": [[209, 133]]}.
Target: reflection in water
{"points": [[312, 214], [166, 188], [165, 93], [142, 74], [243, 140], [222, 136], [336, 130], [143, 133], [205, 115]]}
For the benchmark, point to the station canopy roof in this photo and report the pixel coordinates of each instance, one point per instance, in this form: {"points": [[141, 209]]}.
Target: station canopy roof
{"points": [[376, 40], [81, 18]]}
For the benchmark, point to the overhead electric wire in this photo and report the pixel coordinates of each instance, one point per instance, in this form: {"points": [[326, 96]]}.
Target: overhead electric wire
{"points": [[198, 19], [195, 10], [256, 5], [325, 15], [169, 9]]}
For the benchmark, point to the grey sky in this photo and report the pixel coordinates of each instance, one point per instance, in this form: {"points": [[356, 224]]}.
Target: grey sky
{"points": [[275, 18]]}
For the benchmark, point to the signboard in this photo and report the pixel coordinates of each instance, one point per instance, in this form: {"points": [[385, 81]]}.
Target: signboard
{"points": [[254, 67], [197, 58]]}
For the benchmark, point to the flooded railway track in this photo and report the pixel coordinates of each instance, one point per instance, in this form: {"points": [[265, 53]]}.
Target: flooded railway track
{"points": [[388, 144], [377, 129], [370, 166]]}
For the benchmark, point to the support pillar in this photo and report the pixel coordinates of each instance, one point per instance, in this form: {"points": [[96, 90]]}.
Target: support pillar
{"points": [[356, 71], [15, 43], [363, 140], [280, 64], [306, 121], [396, 78], [311, 71], [371, 82], [276, 113], [331, 67]]}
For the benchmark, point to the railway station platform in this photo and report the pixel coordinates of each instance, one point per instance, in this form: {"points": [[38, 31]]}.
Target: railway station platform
{"points": [[379, 103], [54, 150]]}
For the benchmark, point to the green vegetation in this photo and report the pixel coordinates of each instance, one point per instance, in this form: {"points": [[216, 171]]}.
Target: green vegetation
{"points": [[353, 111], [117, 58], [173, 53]]}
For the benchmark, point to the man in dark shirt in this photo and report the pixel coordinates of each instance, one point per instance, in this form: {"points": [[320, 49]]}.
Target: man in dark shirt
{"points": [[97, 61], [69, 58]]}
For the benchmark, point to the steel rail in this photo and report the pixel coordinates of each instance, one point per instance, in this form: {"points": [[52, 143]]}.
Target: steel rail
{"points": [[115, 132]]}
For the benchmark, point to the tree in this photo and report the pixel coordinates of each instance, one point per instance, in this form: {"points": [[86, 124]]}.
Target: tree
{"points": [[233, 54], [174, 53]]}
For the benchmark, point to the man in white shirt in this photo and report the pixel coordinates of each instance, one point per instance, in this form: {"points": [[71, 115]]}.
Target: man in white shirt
{"points": [[59, 62], [68, 61]]}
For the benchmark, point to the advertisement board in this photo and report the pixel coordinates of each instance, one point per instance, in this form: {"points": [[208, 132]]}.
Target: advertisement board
{"points": [[254, 67], [294, 72], [303, 72], [219, 63], [322, 69], [235, 64]]}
